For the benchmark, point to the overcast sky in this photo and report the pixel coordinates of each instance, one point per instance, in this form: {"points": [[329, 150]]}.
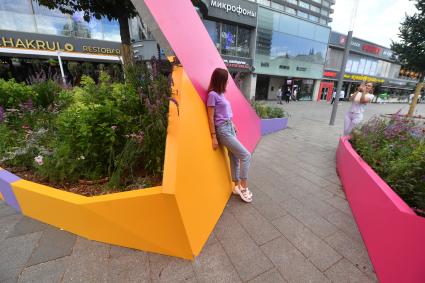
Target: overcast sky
{"points": [[377, 20]]}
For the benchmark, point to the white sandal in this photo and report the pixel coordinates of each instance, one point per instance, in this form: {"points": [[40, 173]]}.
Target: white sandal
{"points": [[236, 193], [245, 194]]}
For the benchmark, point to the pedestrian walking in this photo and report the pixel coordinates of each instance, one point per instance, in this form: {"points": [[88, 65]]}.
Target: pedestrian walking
{"points": [[295, 93], [279, 94], [360, 99], [223, 132], [333, 97], [288, 94]]}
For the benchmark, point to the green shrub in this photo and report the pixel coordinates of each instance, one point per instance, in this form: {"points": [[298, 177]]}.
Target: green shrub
{"points": [[265, 111], [113, 130], [47, 92], [13, 94], [395, 149]]}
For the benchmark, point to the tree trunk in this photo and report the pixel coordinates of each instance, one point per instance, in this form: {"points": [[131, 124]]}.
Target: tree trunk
{"points": [[125, 41], [414, 102]]}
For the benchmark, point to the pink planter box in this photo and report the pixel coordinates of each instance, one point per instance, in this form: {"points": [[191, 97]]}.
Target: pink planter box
{"points": [[394, 235]]}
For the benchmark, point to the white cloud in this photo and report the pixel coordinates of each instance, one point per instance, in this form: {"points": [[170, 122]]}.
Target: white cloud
{"points": [[377, 21]]}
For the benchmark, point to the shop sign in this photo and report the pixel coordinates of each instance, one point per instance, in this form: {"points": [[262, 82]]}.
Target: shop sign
{"points": [[330, 74], [41, 42], [363, 78], [237, 63], [399, 83], [238, 11], [361, 46]]}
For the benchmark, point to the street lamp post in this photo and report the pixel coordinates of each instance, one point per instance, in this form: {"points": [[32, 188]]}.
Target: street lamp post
{"points": [[344, 63]]}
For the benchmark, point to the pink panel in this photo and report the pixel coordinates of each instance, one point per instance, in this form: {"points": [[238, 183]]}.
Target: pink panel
{"points": [[394, 235], [189, 39]]}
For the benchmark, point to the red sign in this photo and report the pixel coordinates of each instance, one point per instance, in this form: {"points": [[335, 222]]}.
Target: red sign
{"points": [[329, 74], [371, 49]]}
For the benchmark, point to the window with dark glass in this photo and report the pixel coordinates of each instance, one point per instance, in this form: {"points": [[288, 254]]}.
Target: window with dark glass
{"points": [[213, 29], [243, 42], [228, 39]]}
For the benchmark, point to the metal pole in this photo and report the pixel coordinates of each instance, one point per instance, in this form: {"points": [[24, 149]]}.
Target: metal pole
{"points": [[61, 67], [344, 61], [341, 77]]}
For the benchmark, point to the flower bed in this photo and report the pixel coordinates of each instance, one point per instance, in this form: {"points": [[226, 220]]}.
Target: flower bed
{"points": [[395, 149], [92, 139], [392, 232], [273, 118]]}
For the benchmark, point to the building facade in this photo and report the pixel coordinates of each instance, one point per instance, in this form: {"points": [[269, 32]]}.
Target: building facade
{"points": [[290, 53], [271, 44], [367, 62], [29, 31]]}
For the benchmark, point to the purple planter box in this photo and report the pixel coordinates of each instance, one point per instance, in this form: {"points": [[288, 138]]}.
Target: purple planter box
{"points": [[269, 126]]}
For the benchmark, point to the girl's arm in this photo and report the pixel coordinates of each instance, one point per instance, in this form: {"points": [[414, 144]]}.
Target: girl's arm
{"points": [[211, 111]]}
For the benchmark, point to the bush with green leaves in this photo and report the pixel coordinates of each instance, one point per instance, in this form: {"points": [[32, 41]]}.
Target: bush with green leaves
{"points": [[265, 111], [110, 130], [47, 93], [395, 149], [13, 95], [95, 131]]}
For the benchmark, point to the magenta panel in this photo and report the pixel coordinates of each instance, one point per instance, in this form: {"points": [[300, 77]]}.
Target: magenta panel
{"points": [[189, 39], [393, 234]]}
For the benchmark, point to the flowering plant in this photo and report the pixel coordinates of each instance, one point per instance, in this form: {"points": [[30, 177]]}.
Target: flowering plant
{"points": [[395, 149]]}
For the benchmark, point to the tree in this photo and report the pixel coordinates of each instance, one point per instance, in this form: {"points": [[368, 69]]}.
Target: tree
{"points": [[120, 10], [411, 49]]}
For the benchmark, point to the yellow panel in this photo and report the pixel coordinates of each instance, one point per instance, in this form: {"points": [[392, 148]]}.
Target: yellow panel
{"points": [[175, 219], [143, 219], [203, 182]]}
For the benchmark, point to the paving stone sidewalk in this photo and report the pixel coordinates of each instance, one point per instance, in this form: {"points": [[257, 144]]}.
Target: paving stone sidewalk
{"points": [[298, 229]]}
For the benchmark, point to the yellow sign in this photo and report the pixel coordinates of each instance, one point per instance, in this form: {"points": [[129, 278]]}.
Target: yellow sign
{"points": [[61, 44], [35, 44], [363, 78]]}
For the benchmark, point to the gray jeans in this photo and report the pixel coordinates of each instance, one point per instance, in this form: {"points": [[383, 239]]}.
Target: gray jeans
{"points": [[240, 157]]}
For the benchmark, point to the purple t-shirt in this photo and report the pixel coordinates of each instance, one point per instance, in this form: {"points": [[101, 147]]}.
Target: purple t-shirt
{"points": [[223, 110]]}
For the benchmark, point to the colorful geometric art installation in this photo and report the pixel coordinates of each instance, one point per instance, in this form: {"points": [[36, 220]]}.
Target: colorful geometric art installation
{"points": [[391, 230], [176, 218]]}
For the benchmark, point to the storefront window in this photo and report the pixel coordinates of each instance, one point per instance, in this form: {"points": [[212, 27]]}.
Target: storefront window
{"points": [[228, 39], [278, 45], [213, 29], [243, 42]]}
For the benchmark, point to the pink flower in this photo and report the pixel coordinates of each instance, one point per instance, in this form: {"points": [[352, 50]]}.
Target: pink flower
{"points": [[114, 127], [39, 160]]}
